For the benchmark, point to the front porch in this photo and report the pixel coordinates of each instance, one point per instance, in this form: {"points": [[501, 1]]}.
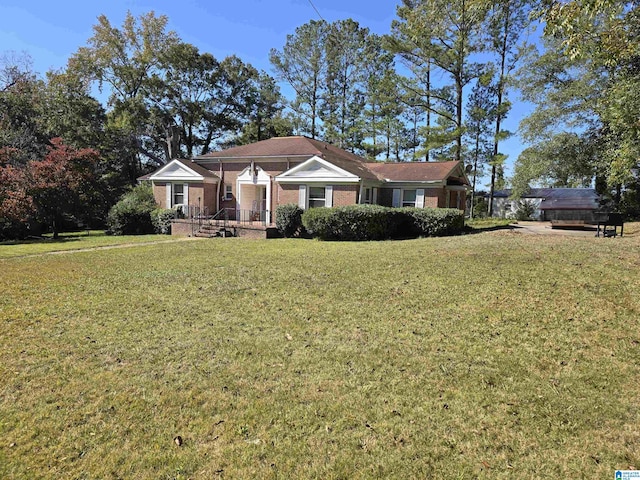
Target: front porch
{"points": [[228, 222]]}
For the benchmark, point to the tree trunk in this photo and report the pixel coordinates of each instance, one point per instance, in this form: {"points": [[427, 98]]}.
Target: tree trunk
{"points": [[428, 120], [503, 58], [475, 174], [55, 226], [314, 101]]}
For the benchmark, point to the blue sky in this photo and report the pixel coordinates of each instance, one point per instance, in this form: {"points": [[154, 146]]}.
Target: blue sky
{"points": [[51, 31]]}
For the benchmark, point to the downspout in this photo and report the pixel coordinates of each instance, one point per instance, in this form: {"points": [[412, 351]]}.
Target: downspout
{"points": [[221, 176]]}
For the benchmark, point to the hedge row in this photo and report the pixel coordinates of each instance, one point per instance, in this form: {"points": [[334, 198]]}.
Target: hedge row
{"points": [[374, 222]]}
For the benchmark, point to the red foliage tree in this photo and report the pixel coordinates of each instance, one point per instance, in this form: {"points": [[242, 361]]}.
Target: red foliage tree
{"points": [[15, 204], [61, 183]]}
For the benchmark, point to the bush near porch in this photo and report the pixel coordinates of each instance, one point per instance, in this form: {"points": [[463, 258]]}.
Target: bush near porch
{"points": [[289, 220], [374, 222]]}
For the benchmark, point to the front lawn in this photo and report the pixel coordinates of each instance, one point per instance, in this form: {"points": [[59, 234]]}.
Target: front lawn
{"points": [[72, 241], [495, 355]]}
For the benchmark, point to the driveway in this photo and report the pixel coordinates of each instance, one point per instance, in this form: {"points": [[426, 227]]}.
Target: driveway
{"points": [[544, 228]]}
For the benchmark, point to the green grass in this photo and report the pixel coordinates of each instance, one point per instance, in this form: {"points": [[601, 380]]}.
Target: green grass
{"points": [[497, 355], [73, 241], [488, 223]]}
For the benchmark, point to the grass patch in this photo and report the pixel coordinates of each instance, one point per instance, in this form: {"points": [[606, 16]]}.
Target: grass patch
{"points": [[488, 223], [72, 241], [499, 355]]}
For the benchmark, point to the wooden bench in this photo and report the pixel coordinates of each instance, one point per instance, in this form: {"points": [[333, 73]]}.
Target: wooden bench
{"points": [[567, 223]]}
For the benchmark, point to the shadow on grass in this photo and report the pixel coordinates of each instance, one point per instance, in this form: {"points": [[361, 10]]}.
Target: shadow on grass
{"points": [[468, 230], [48, 239]]}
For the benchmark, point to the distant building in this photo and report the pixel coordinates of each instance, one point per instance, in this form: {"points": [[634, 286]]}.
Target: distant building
{"points": [[550, 203]]}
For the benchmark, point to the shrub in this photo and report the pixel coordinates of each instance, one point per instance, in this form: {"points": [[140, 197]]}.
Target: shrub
{"points": [[132, 214], [161, 219], [354, 222], [317, 222], [289, 220], [13, 229], [436, 222], [525, 211], [374, 222]]}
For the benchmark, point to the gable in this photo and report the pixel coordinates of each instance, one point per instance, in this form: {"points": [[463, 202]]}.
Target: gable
{"points": [[176, 170], [255, 174], [317, 169]]}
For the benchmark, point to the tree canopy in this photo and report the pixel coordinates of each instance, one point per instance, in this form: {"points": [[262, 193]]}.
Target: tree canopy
{"points": [[437, 86]]}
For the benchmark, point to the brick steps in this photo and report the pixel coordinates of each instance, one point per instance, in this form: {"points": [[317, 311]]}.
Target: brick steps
{"points": [[211, 231]]}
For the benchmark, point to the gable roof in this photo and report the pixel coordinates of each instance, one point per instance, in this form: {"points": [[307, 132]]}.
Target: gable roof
{"points": [[415, 171], [317, 169], [180, 169], [297, 146], [349, 166]]}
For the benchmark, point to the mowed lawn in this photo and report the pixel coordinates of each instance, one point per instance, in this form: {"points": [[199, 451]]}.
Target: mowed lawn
{"points": [[493, 355]]}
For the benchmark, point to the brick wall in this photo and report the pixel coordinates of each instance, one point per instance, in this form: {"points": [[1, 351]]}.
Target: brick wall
{"points": [[232, 170], [209, 196], [206, 192], [434, 197], [345, 195], [287, 193], [181, 228], [160, 194]]}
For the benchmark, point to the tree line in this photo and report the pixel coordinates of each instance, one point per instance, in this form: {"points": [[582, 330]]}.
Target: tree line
{"points": [[437, 86]]}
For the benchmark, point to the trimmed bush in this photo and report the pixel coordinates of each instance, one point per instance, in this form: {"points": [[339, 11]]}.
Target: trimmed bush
{"points": [[132, 214], [161, 219], [351, 223], [374, 222], [289, 220], [436, 222]]}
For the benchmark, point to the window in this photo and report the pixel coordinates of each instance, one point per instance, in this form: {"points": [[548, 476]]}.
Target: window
{"points": [[367, 195], [178, 194], [228, 192], [317, 197], [408, 198]]}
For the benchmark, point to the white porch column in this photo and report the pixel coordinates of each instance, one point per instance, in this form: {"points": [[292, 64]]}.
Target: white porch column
{"points": [[268, 206]]}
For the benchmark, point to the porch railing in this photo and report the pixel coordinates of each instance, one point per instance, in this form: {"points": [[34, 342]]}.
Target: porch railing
{"points": [[251, 216]]}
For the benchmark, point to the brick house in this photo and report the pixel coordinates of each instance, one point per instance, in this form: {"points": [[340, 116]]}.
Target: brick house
{"points": [[250, 181]]}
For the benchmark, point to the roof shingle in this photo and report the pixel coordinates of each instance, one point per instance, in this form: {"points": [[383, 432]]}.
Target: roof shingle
{"points": [[413, 171]]}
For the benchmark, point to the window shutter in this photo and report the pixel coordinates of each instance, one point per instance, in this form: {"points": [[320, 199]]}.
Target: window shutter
{"points": [[186, 194], [168, 189], [328, 196], [420, 198], [302, 197], [374, 196], [396, 197]]}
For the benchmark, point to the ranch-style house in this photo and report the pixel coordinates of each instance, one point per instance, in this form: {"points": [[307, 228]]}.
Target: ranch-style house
{"points": [[248, 182]]}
